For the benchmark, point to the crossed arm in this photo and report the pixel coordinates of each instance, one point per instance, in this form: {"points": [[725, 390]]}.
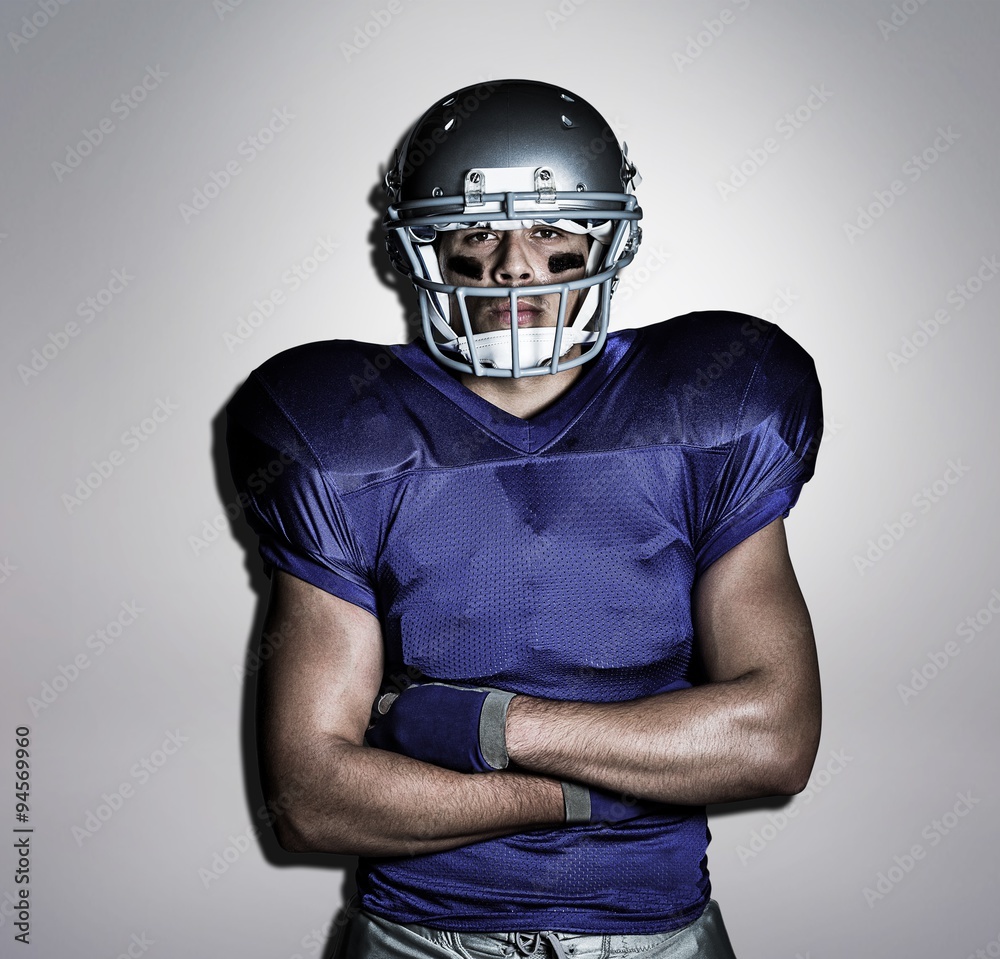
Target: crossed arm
{"points": [[752, 730]]}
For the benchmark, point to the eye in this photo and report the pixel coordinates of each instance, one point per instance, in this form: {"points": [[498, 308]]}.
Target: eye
{"points": [[479, 236]]}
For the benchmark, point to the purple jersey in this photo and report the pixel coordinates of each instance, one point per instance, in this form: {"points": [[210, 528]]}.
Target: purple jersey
{"points": [[553, 556]]}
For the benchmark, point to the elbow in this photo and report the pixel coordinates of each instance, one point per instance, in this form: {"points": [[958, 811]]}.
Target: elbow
{"points": [[789, 765]]}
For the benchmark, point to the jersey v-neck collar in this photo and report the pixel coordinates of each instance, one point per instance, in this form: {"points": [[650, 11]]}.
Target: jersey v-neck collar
{"points": [[528, 435]]}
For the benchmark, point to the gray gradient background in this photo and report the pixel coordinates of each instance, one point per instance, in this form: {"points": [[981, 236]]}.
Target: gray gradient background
{"points": [[800, 891]]}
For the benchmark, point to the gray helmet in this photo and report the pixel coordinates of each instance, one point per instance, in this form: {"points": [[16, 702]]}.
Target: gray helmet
{"points": [[511, 153]]}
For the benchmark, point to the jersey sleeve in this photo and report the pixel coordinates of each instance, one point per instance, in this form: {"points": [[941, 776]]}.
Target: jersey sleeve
{"points": [[290, 500], [773, 450]]}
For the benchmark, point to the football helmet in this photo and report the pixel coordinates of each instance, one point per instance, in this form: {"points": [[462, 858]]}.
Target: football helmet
{"points": [[503, 155]]}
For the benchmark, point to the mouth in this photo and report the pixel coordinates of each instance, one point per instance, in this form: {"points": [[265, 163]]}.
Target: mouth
{"points": [[527, 315]]}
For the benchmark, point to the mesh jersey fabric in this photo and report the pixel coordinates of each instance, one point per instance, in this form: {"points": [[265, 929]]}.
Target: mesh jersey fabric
{"points": [[553, 557]]}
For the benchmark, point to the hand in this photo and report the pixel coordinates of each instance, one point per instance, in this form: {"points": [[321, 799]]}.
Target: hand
{"points": [[458, 727], [587, 804]]}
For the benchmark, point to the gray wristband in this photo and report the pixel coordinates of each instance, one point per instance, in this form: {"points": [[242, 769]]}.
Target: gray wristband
{"points": [[493, 728], [576, 802]]}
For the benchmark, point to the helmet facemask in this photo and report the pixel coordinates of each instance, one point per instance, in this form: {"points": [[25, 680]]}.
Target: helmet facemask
{"points": [[506, 198]]}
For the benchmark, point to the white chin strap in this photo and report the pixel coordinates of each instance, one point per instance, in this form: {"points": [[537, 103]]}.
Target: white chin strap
{"points": [[535, 346]]}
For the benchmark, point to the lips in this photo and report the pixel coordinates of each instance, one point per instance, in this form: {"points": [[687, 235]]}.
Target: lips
{"points": [[526, 315]]}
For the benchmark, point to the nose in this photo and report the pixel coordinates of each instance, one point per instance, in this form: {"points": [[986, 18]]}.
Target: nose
{"points": [[512, 266]]}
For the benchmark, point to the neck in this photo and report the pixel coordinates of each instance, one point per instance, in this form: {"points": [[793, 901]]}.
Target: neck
{"points": [[525, 396]]}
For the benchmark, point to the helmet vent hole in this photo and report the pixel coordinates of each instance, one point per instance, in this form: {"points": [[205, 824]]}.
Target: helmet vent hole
{"points": [[568, 98], [566, 121], [448, 102], [450, 124]]}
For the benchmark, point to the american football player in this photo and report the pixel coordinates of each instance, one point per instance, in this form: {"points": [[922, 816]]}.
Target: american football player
{"points": [[531, 579]]}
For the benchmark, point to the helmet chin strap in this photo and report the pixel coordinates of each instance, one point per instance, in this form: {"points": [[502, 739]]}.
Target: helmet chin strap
{"points": [[535, 346]]}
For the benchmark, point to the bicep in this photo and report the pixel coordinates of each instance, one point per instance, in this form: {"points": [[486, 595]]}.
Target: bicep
{"points": [[750, 616], [322, 674]]}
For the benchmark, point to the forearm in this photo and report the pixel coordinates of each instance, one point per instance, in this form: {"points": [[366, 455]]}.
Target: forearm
{"points": [[355, 800], [720, 742]]}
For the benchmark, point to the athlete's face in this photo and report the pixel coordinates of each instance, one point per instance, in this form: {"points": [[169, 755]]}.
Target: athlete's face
{"points": [[533, 257]]}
